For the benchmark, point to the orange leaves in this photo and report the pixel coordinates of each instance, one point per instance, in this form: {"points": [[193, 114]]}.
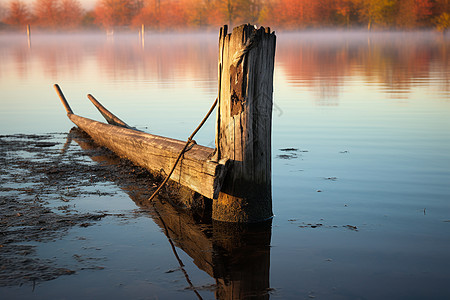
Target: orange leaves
{"points": [[18, 14], [113, 13], [56, 14], [303, 13], [47, 12], [422, 8], [157, 14], [194, 14], [413, 13], [71, 14]]}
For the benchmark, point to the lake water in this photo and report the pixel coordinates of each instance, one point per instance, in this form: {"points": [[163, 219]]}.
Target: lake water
{"points": [[361, 162]]}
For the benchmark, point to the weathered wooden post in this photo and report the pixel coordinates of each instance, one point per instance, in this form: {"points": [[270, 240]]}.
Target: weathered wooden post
{"points": [[29, 35], [244, 122]]}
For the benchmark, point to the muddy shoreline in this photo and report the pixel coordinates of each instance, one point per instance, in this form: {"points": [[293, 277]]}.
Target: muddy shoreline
{"points": [[40, 178]]}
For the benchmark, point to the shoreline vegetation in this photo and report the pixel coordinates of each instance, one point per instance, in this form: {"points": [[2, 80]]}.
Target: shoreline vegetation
{"points": [[193, 15]]}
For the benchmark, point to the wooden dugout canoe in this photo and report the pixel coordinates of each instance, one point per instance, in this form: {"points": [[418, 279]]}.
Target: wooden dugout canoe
{"points": [[195, 170], [237, 173]]}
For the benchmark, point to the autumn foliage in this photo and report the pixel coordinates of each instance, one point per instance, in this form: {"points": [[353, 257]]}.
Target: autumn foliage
{"points": [[18, 15], [198, 14], [55, 14]]}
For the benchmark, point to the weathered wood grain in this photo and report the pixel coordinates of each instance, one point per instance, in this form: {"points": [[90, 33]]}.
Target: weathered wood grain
{"points": [[237, 256], [109, 116], [237, 174], [244, 122], [195, 171], [63, 99]]}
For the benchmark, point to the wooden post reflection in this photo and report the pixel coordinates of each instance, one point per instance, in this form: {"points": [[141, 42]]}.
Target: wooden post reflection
{"points": [[236, 255], [241, 260], [143, 36]]}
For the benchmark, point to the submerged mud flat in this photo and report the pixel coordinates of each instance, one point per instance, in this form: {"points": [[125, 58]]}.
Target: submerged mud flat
{"points": [[39, 180], [156, 248]]}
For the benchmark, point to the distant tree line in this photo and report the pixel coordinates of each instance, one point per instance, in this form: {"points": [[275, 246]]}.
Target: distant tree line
{"points": [[197, 14]]}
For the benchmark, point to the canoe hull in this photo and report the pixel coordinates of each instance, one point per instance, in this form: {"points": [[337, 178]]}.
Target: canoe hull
{"points": [[156, 153]]}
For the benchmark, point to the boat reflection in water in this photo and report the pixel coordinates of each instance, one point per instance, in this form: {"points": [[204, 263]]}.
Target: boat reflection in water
{"points": [[237, 256]]}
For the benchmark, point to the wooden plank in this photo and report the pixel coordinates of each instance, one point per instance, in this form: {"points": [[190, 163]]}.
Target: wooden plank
{"points": [[195, 170]]}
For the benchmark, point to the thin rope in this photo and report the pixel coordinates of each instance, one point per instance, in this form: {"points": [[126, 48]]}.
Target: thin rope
{"points": [[174, 250], [250, 44], [189, 141]]}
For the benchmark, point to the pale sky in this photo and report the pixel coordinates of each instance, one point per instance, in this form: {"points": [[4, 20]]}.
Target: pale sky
{"points": [[88, 3]]}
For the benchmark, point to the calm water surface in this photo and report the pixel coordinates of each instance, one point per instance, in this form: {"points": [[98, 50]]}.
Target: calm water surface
{"points": [[361, 162]]}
